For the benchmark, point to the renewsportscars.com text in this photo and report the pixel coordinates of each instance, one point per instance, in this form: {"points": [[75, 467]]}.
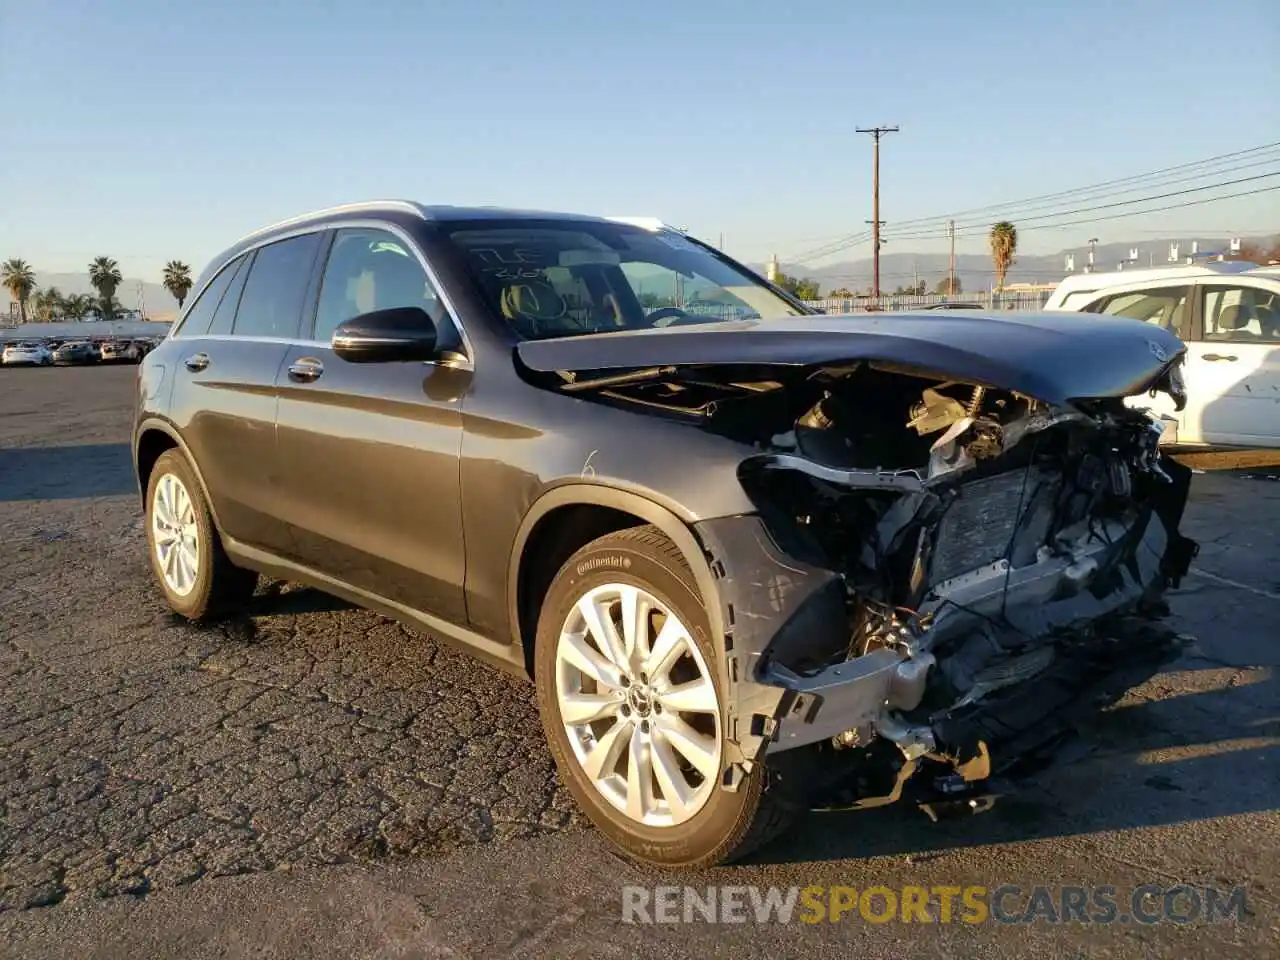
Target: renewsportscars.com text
{"points": [[972, 904]]}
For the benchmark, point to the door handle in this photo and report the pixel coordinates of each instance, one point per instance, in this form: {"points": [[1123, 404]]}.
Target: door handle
{"points": [[305, 369], [196, 362], [1220, 356]]}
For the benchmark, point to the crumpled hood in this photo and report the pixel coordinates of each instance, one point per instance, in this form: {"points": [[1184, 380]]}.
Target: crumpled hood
{"points": [[1053, 357]]}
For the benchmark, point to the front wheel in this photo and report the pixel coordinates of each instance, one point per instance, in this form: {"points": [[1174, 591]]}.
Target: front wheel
{"points": [[633, 706]]}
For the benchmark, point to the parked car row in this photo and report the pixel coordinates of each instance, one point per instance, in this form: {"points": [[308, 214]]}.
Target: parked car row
{"points": [[44, 353]]}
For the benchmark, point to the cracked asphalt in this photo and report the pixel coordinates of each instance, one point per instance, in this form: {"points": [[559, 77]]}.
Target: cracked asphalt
{"points": [[314, 780]]}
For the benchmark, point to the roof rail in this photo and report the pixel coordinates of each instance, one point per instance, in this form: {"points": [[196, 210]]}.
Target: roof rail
{"points": [[408, 206], [652, 224]]}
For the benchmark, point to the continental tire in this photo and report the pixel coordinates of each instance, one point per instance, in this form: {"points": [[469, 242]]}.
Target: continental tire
{"points": [[632, 704], [187, 558]]}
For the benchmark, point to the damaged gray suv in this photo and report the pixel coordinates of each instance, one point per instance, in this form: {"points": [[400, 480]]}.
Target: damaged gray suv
{"points": [[755, 560]]}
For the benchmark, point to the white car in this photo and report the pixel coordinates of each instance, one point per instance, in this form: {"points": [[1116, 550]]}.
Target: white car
{"points": [[27, 354], [1229, 317], [120, 350]]}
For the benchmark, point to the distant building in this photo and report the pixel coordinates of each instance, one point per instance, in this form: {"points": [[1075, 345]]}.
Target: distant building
{"points": [[1029, 287]]}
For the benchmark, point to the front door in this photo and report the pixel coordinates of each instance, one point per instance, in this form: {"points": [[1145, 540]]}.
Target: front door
{"points": [[1235, 365], [1167, 306], [369, 452]]}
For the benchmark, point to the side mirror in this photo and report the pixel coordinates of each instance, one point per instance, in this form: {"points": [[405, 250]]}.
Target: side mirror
{"points": [[384, 336]]}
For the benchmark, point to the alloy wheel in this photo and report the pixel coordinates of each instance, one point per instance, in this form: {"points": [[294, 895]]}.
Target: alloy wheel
{"points": [[175, 535], [639, 705]]}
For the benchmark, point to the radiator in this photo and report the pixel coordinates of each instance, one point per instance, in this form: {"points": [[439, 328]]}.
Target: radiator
{"points": [[978, 527]]}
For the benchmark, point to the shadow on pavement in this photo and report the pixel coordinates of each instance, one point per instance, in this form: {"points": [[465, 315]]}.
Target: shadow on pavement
{"points": [[1138, 766], [66, 473], [274, 600]]}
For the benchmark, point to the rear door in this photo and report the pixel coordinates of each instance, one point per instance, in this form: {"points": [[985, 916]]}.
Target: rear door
{"points": [[224, 388], [1234, 365], [369, 452]]}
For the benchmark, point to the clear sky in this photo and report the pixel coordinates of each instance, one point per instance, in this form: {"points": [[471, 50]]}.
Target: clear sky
{"points": [[153, 129]]}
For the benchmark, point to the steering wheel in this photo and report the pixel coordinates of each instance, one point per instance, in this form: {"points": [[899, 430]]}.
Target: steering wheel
{"points": [[673, 315]]}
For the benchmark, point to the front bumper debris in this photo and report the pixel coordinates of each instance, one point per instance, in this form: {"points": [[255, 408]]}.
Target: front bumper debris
{"points": [[776, 608]]}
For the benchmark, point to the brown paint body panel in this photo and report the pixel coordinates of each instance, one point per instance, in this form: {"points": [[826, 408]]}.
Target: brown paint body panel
{"points": [[368, 467], [226, 414]]}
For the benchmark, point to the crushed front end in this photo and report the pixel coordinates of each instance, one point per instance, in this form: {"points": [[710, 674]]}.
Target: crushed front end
{"points": [[941, 579]]}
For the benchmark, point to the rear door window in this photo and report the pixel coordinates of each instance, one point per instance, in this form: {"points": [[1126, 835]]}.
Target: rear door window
{"points": [[271, 304], [1236, 313], [197, 319]]}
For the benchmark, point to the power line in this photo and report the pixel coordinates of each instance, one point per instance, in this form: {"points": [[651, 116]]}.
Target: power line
{"points": [[1022, 212], [1093, 188], [975, 229], [1130, 213], [1095, 191], [979, 229]]}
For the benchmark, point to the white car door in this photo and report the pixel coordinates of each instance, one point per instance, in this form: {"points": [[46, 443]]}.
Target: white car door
{"points": [[1167, 306], [1234, 364]]}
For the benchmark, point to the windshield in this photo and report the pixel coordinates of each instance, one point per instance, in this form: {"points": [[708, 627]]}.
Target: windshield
{"points": [[560, 278]]}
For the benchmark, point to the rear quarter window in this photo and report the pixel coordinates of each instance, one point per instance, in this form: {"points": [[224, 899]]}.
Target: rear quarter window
{"points": [[195, 322]]}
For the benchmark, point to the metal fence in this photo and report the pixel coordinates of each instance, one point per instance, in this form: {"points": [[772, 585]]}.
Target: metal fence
{"points": [[987, 300]]}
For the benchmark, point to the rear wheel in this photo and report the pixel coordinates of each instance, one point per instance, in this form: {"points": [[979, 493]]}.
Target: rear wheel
{"points": [[633, 706], [186, 553]]}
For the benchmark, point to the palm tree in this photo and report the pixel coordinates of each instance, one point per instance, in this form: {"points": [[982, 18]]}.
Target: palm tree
{"points": [[104, 274], [47, 305], [1004, 244], [19, 279], [107, 309], [177, 280], [78, 306]]}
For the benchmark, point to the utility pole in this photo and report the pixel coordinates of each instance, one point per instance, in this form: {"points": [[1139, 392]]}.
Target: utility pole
{"points": [[876, 134], [951, 283]]}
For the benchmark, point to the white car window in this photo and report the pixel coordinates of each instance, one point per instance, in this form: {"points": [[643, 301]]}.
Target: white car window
{"points": [[1241, 314], [1078, 300], [1163, 306]]}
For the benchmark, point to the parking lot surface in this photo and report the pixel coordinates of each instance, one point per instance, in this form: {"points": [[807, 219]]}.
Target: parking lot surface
{"points": [[314, 779]]}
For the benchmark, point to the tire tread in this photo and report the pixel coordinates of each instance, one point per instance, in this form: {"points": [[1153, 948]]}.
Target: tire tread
{"points": [[763, 818]]}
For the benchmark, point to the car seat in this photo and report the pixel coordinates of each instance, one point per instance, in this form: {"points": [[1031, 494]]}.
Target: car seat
{"points": [[534, 308], [1268, 323], [1234, 320]]}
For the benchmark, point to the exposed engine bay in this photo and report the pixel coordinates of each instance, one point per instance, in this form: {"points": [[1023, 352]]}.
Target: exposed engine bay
{"points": [[996, 558]]}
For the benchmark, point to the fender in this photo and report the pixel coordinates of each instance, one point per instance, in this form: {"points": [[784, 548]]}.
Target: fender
{"points": [[596, 494], [165, 427]]}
